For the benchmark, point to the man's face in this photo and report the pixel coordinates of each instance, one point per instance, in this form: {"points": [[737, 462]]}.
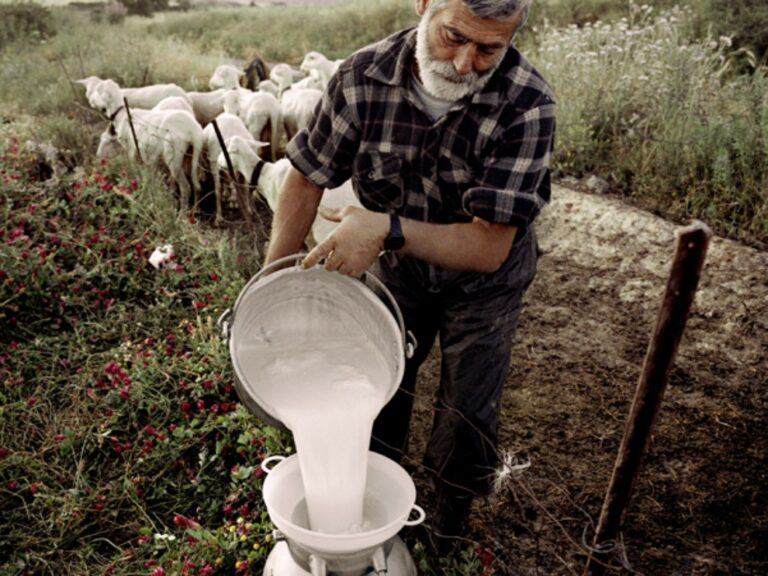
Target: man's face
{"points": [[456, 51]]}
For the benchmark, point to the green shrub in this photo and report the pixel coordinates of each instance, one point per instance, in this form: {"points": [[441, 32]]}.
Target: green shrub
{"points": [[24, 20], [661, 114], [745, 21]]}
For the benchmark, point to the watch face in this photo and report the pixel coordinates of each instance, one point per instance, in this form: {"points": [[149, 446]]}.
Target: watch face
{"points": [[393, 243]]}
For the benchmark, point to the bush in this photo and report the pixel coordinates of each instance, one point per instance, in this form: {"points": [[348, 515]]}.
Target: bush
{"points": [[745, 21], [644, 103], [24, 21]]}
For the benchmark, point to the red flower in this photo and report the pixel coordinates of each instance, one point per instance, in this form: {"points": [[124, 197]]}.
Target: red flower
{"points": [[3, 453], [184, 522], [59, 438]]}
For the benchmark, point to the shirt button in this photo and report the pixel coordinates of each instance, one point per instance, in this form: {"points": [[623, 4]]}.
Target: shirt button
{"points": [[371, 175]]}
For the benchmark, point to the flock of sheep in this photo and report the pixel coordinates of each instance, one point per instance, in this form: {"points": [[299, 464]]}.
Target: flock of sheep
{"points": [[166, 125]]}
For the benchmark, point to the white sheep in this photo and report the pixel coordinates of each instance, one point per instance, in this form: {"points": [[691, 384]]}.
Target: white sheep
{"points": [[284, 75], [269, 86], [311, 80], [229, 125], [226, 76], [174, 103], [163, 136], [325, 68], [143, 97], [298, 108], [261, 113], [207, 105], [245, 160]]}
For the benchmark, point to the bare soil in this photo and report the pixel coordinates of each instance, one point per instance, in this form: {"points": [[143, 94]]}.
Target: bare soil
{"points": [[700, 503]]}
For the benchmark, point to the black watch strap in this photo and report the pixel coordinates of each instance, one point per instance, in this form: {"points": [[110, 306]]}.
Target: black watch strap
{"points": [[395, 240]]}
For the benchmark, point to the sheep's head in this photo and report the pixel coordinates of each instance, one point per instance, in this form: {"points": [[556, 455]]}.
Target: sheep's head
{"points": [[226, 76], [243, 153], [312, 60], [109, 145], [107, 97], [269, 87], [90, 84]]}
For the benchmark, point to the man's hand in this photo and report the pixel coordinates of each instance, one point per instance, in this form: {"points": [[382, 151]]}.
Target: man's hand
{"points": [[355, 244]]}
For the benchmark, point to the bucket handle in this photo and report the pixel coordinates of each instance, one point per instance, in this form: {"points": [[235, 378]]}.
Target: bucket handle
{"points": [[419, 519], [409, 340], [265, 464]]}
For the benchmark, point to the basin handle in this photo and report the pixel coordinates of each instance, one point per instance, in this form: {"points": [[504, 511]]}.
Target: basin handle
{"points": [[418, 520], [265, 464], [317, 566]]}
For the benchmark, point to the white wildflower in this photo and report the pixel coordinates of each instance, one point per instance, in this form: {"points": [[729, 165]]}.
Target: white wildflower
{"points": [[510, 464]]}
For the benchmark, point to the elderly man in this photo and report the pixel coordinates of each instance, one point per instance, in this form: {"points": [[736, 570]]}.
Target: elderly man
{"points": [[446, 132]]}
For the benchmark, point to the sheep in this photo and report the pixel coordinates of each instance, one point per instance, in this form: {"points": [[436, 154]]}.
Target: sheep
{"points": [[163, 136], [322, 65], [229, 125], [226, 76], [245, 160], [298, 108], [207, 105], [261, 113], [269, 86], [312, 80], [143, 97], [256, 71], [174, 103], [284, 75]]}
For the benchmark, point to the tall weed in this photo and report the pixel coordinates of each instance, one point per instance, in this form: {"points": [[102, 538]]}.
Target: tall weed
{"points": [[645, 103]]}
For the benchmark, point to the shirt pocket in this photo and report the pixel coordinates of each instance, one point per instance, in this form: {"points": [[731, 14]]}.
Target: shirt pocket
{"points": [[379, 180]]}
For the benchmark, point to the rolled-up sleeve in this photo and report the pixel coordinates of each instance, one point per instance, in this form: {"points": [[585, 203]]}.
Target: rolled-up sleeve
{"points": [[325, 150], [514, 183]]}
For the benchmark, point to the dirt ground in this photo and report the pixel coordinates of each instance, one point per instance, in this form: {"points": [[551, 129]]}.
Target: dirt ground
{"points": [[700, 504]]}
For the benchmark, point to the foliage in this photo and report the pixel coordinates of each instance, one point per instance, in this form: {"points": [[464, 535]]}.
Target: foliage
{"points": [[745, 21], [119, 426], [145, 7], [283, 34], [24, 20], [658, 112]]}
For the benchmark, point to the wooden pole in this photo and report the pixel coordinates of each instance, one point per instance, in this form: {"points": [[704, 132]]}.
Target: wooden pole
{"points": [[133, 130], [690, 252]]}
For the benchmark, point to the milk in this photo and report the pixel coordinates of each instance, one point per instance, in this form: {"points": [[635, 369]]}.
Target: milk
{"points": [[328, 394]]}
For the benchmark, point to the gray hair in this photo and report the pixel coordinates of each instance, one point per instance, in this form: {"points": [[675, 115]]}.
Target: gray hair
{"points": [[491, 9]]}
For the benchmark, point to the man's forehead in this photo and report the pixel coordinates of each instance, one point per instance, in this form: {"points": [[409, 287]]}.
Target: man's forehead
{"points": [[455, 16]]}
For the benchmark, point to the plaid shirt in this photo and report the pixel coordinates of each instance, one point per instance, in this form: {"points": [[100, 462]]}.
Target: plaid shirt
{"points": [[487, 157]]}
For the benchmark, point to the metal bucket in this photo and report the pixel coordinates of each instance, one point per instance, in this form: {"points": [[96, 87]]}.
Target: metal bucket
{"points": [[324, 300]]}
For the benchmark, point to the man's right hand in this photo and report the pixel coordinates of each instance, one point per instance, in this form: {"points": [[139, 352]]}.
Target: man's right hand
{"points": [[355, 243]]}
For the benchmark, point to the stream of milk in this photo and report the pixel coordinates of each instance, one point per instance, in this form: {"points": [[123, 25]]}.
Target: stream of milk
{"points": [[328, 394]]}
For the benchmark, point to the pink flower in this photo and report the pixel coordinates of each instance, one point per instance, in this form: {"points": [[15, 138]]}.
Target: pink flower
{"points": [[184, 522]]}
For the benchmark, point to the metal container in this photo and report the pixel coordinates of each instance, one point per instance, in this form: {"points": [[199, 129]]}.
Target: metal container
{"points": [[323, 299]]}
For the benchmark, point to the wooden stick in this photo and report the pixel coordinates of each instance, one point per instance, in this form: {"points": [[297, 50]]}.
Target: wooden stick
{"points": [[133, 131], [690, 252]]}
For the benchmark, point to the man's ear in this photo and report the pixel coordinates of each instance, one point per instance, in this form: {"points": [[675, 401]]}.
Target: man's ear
{"points": [[421, 7]]}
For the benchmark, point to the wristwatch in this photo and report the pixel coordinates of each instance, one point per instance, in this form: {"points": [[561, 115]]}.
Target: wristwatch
{"points": [[395, 239]]}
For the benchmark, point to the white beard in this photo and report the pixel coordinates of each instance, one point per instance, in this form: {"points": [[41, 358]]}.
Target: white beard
{"points": [[440, 78]]}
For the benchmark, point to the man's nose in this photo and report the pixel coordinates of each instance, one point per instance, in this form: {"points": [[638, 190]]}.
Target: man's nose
{"points": [[464, 58]]}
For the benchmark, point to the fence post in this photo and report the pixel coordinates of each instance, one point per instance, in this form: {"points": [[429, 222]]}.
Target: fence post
{"points": [[690, 252]]}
